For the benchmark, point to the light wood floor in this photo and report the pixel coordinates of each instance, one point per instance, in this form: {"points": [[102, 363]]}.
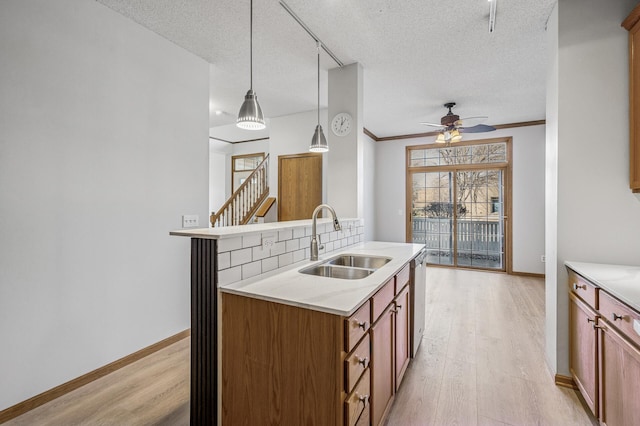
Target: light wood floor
{"points": [[481, 363]]}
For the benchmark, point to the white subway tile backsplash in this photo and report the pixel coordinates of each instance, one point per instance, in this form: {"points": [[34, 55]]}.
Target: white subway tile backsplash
{"points": [[278, 248], [298, 255], [298, 232], [243, 257], [258, 253], [224, 260], [251, 240], [228, 244], [269, 264], [238, 257], [251, 269], [328, 247], [285, 259], [230, 275], [292, 245], [285, 234]]}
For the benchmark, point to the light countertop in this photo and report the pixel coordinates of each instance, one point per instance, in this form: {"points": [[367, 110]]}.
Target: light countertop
{"points": [[217, 233], [331, 295], [621, 281]]}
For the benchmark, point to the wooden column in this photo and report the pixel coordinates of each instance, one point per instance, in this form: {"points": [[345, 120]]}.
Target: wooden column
{"points": [[204, 332]]}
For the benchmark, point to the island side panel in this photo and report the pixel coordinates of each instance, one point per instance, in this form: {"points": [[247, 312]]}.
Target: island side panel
{"points": [[280, 364], [204, 332]]}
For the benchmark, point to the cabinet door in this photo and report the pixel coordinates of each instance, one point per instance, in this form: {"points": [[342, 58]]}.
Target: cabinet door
{"points": [[382, 366], [619, 380], [402, 341], [583, 351]]}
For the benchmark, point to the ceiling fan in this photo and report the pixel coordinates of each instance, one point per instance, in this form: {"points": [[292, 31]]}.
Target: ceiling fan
{"points": [[451, 125]]}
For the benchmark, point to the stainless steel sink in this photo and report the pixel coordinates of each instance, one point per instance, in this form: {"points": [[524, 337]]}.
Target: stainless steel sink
{"points": [[343, 272], [347, 266], [358, 261]]}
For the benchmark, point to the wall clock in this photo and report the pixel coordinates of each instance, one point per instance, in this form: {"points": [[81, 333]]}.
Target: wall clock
{"points": [[341, 124]]}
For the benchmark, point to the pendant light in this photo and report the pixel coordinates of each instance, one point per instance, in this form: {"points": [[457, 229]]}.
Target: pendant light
{"points": [[318, 141], [250, 116]]}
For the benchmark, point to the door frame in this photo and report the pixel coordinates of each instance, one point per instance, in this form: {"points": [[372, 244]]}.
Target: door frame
{"points": [[508, 202]]}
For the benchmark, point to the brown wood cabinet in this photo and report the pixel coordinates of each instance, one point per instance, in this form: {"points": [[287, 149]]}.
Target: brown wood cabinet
{"points": [[382, 351], [289, 365], [632, 24], [604, 353], [583, 350], [620, 379], [402, 336]]}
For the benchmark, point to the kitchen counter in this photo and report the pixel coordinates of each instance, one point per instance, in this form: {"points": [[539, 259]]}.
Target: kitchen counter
{"points": [[331, 295], [621, 281]]}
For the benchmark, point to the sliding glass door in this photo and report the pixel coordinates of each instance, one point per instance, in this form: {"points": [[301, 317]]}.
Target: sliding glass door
{"points": [[457, 199]]}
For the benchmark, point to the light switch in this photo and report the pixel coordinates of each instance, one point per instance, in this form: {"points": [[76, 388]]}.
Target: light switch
{"points": [[190, 221]]}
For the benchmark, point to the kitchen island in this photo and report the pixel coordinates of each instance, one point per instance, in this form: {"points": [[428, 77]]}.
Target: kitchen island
{"points": [[258, 265], [305, 349]]}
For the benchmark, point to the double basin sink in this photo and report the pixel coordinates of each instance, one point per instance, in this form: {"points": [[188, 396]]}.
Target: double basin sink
{"points": [[347, 266]]}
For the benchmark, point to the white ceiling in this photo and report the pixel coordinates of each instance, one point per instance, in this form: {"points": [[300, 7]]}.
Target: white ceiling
{"points": [[416, 55]]}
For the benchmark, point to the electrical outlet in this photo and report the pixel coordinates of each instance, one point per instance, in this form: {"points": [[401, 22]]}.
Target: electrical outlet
{"points": [[268, 240], [543, 258], [190, 221]]}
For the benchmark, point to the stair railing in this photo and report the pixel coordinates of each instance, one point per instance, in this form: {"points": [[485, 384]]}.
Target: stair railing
{"points": [[245, 200]]}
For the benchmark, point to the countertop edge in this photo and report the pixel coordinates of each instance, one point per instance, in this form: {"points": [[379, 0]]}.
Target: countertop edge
{"points": [[611, 288]]}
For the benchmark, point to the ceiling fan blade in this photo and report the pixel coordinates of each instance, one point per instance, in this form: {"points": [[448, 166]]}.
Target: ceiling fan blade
{"points": [[478, 128], [432, 124], [471, 121]]}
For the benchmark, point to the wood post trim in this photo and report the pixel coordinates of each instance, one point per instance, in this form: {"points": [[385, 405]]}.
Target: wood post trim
{"points": [[565, 382]]}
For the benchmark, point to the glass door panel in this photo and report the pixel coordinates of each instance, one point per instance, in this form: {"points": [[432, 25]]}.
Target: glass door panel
{"points": [[432, 215], [480, 220]]}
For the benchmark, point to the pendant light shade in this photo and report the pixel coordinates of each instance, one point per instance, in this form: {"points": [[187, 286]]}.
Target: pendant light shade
{"points": [[250, 115], [318, 141]]}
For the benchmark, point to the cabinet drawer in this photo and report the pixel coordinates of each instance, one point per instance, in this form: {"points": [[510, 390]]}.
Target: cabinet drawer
{"points": [[356, 406], [583, 289], [356, 363], [620, 315], [382, 298], [356, 326], [402, 279]]}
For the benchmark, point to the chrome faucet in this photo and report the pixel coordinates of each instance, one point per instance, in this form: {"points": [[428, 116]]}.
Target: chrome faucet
{"points": [[314, 236]]}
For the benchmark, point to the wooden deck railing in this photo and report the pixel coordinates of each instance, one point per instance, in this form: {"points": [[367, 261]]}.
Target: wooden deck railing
{"points": [[245, 200]]}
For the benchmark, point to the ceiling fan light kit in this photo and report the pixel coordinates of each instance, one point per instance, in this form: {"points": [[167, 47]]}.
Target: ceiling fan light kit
{"points": [[451, 126], [250, 116]]}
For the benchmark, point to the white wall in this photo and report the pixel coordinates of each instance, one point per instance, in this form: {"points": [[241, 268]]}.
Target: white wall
{"points": [[551, 195], [598, 217], [291, 134], [103, 147], [369, 187], [528, 192], [345, 178], [219, 173]]}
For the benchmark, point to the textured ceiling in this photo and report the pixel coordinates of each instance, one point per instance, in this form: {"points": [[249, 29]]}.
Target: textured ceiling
{"points": [[416, 55]]}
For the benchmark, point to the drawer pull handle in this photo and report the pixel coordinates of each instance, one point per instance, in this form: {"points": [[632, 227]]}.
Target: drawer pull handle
{"points": [[364, 361], [616, 317], [590, 320], [576, 286], [398, 306], [362, 324], [364, 399]]}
